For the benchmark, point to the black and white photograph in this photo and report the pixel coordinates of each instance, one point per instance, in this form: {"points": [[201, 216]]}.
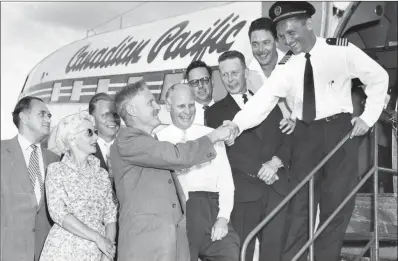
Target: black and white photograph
{"points": [[199, 131]]}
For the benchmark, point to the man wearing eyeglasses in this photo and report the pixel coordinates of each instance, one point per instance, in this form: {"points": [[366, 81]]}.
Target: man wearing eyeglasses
{"points": [[199, 78], [102, 108]]}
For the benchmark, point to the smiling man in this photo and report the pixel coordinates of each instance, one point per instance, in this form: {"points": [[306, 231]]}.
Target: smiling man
{"points": [[107, 121], [152, 223], [263, 41], [208, 187], [199, 78], [318, 79], [259, 160]]}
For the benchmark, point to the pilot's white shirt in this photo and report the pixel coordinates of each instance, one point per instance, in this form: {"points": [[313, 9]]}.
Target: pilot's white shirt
{"points": [[213, 176], [333, 66], [257, 79]]}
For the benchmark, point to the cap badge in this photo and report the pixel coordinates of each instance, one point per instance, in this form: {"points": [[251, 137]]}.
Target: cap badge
{"points": [[277, 10]]}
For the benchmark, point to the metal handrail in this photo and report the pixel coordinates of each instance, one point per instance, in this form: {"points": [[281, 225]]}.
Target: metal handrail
{"points": [[374, 170]]}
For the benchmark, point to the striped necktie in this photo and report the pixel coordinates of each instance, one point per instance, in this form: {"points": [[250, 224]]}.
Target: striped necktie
{"points": [[34, 168]]}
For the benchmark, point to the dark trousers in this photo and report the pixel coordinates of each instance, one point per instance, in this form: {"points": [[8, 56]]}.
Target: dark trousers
{"points": [[202, 211], [333, 183], [247, 215]]}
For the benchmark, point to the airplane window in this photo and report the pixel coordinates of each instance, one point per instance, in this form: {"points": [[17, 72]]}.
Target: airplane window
{"points": [[76, 90], [56, 91], [103, 85], [134, 79]]}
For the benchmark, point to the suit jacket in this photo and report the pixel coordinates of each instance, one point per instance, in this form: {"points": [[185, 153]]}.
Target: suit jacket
{"points": [[252, 148], [99, 155], [24, 223], [152, 223]]}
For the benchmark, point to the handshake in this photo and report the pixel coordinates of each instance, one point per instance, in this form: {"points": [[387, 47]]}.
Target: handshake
{"points": [[226, 132]]}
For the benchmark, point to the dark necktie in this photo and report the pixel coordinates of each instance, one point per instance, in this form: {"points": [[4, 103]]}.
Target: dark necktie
{"points": [[34, 168], [205, 107], [309, 109], [244, 96]]}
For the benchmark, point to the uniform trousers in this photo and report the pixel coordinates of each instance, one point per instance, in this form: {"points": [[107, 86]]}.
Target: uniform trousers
{"points": [[247, 215], [202, 211], [332, 184]]}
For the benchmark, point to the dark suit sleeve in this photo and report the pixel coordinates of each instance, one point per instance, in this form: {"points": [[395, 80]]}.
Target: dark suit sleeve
{"points": [[211, 120], [145, 151], [283, 151]]}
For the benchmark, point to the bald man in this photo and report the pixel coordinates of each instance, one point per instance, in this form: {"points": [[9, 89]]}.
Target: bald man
{"points": [[208, 187]]}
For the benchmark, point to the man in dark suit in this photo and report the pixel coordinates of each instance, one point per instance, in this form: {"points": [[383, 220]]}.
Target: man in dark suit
{"points": [[152, 222], [259, 160], [107, 121], [25, 221]]}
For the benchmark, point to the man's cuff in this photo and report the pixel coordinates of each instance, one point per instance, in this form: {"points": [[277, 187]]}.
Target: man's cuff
{"points": [[223, 215], [277, 161]]}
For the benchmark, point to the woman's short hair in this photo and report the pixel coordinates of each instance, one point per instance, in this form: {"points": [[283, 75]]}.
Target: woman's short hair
{"points": [[68, 128]]}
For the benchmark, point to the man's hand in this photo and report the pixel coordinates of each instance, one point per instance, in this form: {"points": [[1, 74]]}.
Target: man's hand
{"points": [[234, 129], [360, 127], [220, 229], [268, 172], [222, 133], [287, 125]]}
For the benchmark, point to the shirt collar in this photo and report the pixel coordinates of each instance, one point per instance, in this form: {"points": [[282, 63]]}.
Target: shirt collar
{"points": [[24, 143], [201, 105], [178, 130], [104, 143]]}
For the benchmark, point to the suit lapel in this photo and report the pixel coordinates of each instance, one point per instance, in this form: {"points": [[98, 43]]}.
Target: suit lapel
{"points": [[229, 102], [99, 155], [19, 165], [45, 165]]}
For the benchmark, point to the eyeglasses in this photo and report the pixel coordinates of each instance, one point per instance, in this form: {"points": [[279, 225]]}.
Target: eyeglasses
{"points": [[89, 132], [203, 81]]}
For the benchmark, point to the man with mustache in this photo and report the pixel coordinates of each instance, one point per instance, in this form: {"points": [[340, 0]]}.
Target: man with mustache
{"points": [[318, 79], [152, 222]]}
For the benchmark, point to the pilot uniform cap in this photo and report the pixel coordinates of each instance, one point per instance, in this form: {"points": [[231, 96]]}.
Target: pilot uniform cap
{"points": [[282, 10]]}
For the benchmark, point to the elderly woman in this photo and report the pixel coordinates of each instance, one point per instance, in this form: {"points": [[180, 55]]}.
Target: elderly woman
{"points": [[79, 197]]}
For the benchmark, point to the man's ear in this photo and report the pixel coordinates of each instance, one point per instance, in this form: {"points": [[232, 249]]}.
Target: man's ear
{"points": [[131, 109], [168, 105], [308, 23], [246, 73], [23, 117]]}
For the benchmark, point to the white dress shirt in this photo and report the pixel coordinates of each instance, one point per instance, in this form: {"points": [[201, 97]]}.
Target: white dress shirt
{"points": [[27, 151], [213, 176], [105, 147], [165, 118], [333, 67], [257, 79]]}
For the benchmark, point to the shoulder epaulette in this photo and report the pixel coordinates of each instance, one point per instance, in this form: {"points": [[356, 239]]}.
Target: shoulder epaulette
{"points": [[286, 57], [337, 41]]}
